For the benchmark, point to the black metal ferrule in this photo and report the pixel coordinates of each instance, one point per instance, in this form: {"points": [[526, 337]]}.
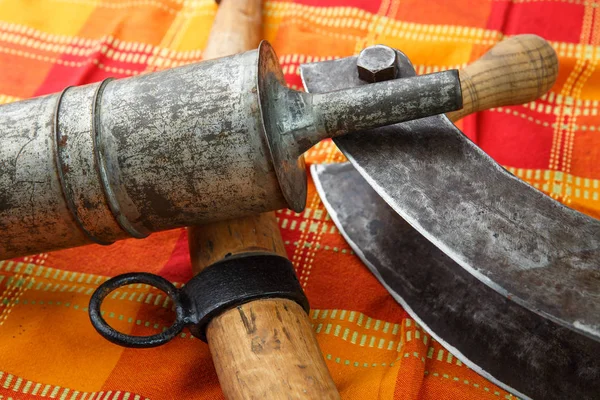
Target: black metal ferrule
{"points": [[232, 282], [220, 287]]}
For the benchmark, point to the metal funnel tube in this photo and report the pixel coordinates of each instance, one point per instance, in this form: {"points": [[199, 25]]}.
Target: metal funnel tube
{"points": [[203, 142]]}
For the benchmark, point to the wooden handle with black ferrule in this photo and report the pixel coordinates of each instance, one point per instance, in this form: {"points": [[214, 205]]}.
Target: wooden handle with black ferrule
{"points": [[515, 71], [264, 348]]}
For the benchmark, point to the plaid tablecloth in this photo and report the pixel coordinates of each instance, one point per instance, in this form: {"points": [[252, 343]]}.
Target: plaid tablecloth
{"points": [[373, 349]]}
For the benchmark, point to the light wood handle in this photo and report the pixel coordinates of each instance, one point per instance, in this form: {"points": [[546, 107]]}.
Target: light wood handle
{"points": [[265, 348], [277, 334], [515, 71], [237, 27], [218, 240]]}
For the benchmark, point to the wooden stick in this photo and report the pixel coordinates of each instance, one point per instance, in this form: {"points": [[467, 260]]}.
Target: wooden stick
{"points": [[515, 71], [265, 348], [214, 242], [237, 27]]}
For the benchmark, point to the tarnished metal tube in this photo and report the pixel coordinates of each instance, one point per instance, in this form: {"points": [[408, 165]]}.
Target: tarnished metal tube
{"points": [[186, 146], [34, 214], [78, 164], [198, 143], [421, 96], [125, 158]]}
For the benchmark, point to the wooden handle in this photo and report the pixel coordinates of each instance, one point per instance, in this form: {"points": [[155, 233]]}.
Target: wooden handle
{"points": [[265, 348], [237, 28], [515, 71], [213, 242], [277, 334]]}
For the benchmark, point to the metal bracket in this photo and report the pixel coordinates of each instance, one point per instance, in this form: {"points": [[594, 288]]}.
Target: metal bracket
{"points": [[220, 287]]}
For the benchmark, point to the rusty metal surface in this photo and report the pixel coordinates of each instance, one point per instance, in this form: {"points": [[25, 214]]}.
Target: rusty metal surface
{"points": [[149, 153], [77, 171], [33, 213], [186, 146], [516, 348], [198, 143], [295, 121], [518, 241]]}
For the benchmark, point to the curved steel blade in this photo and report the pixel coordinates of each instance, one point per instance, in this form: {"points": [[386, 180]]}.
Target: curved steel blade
{"points": [[512, 237], [516, 348]]}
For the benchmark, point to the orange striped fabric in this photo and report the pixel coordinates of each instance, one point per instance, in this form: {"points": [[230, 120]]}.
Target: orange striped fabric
{"points": [[373, 349]]}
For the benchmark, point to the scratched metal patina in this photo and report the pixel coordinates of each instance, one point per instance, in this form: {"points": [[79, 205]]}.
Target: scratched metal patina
{"points": [[520, 350], [204, 142], [77, 171], [512, 237], [33, 213]]}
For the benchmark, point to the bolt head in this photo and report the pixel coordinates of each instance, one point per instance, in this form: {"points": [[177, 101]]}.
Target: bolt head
{"points": [[377, 63]]}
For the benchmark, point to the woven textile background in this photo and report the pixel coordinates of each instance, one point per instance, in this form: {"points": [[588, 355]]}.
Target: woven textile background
{"points": [[374, 351]]}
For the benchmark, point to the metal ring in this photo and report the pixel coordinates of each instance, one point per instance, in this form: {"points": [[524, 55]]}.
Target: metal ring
{"points": [[123, 339], [60, 167], [138, 232]]}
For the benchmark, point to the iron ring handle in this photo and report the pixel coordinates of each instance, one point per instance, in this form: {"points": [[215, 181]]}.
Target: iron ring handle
{"points": [[126, 340], [218, 288]]}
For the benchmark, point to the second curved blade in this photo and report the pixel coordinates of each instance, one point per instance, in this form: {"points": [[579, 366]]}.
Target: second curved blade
{"points": [[514, 347]]}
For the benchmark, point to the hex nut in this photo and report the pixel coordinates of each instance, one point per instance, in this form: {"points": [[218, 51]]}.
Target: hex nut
{"points": [[377, 63]]}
